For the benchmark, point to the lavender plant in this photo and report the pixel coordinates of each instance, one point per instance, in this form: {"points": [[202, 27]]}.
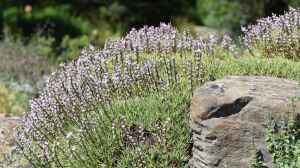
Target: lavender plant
{"points": [[110, 103], [74, 114], [79, 116], [275, 36]]}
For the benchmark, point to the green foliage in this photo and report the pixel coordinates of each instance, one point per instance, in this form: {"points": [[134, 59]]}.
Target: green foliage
{"points": [[111, 15], [1, 21], [294, 3], [169, 107], [258, 160], [284, 141], [161, 119], [57, 21], [231, 14], [61, 33], [5, 100], [25, 63], [65, 21], [42, 45], [12, 103], [276, 67], [71, 32], [71, 47], [228, 15]]}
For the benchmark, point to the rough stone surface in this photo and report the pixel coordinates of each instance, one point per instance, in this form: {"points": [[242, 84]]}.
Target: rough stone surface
{"points": [[7, 124], [7, 143], [229, 119]]}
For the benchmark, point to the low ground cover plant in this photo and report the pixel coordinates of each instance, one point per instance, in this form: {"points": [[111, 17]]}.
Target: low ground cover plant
{"points": [[126, 105], [12, 103], [284, 138]]}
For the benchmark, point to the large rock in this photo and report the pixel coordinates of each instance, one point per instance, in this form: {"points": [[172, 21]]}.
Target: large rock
{"points": [[229, 119]]}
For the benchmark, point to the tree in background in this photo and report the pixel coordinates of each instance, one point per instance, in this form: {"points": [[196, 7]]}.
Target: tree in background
{"points": [[152, 12], [231, 14], [275, 6], [1, 21], [101, 19]]}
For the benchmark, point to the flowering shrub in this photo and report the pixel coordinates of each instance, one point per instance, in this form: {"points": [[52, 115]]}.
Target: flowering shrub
{"points": [[89, 114], [83, 92], [275, 36]]}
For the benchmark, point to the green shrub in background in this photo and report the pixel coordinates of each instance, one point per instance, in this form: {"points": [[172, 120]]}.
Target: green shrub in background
{"points": [[73, 24], [61, 32], [42, 45], [294, 3], [25, 63], [231, 14], [12, 103], [110, 16], [71, 47], [56, 21], [228, 14], [1, 21], [75, 18]]}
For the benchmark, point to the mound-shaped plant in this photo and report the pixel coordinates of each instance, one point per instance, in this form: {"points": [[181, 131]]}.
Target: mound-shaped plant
{"points": [[111, 105], [70, 123]]}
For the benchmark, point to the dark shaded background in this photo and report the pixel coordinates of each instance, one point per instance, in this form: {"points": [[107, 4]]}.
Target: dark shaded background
{"points": [[75, 23]]}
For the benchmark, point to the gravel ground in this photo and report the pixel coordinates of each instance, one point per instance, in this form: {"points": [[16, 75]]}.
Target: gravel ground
{"points": [[8, 159]]}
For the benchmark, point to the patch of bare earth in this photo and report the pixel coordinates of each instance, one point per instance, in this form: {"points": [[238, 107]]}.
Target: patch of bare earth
{"points": [[8, 158]]}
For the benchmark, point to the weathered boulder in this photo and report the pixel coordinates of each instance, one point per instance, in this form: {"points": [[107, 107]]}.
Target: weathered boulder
{"points": [[229, 119]]}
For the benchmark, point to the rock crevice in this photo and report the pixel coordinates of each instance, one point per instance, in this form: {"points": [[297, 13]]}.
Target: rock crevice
{"points": [[229, 109]]}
